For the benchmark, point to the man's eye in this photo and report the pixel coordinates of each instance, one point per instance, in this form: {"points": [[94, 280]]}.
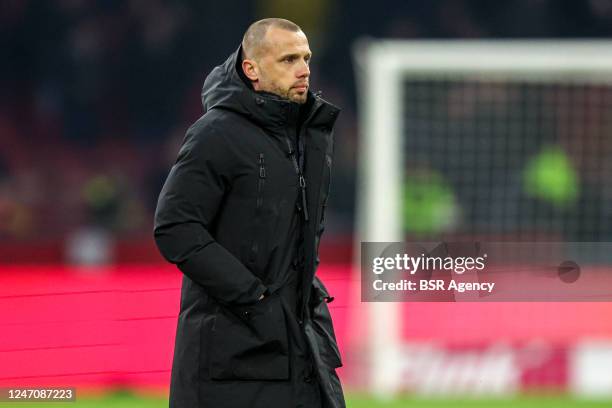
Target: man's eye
{"points": [[288, 59]]}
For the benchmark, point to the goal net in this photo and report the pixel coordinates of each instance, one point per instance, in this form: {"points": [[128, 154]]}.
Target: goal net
{"points": [[495, 140]]}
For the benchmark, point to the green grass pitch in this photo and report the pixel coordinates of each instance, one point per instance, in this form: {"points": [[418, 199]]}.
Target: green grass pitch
{"points": [[129, 400]]}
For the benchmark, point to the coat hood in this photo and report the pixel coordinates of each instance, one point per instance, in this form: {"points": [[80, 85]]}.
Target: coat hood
{"points": [[226, 87]]}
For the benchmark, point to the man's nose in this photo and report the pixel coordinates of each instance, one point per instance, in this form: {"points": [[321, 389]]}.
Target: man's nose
{"points": [[303, 70]]}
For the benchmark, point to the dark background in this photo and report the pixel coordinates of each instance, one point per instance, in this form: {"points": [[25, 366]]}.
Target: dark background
{"points": [[95, 96]]}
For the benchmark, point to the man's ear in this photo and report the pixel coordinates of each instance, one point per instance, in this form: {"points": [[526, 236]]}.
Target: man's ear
{"points": [[249, 67]]}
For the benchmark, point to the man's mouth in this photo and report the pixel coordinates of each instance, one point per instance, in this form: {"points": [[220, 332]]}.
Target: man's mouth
{"points": [[301, 87]]}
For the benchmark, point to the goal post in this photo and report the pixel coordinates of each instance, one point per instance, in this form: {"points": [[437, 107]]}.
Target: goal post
{"points": [[382, 68]]}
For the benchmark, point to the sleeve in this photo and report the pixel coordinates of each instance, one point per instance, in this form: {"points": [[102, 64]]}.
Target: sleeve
{"points": [[187, 205]]}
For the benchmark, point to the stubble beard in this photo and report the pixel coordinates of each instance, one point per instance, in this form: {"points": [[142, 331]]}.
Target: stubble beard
{"points": [[301, 99], [286, 93]]}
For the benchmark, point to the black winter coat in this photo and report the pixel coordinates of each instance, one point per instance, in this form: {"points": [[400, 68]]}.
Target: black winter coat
{"points": [[224, 217]]}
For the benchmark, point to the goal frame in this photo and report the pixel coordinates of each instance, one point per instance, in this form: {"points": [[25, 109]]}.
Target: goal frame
{"points": [[380, 67]]}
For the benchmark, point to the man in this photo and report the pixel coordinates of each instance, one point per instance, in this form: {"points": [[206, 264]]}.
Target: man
{"points": [[241, 214]]}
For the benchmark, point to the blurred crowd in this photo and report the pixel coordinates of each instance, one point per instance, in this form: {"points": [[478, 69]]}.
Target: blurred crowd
{"points": [[95, 96]]}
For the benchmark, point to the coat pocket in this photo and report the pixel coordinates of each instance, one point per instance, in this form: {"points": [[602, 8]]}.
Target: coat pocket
{"points": [[323, 325], [250, 342]]}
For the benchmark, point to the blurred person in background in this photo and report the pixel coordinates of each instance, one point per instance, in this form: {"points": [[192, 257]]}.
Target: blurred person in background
{"points": [[241, 214]]}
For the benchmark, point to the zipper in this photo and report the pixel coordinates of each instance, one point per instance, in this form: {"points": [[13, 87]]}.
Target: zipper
{"points": [[302, 185], [301, 178], [328, 170], [306, 284], [261, 180]]}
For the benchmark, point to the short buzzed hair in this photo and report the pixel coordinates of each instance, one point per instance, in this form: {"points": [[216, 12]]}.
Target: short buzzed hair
{"points": [[253, 40]]}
